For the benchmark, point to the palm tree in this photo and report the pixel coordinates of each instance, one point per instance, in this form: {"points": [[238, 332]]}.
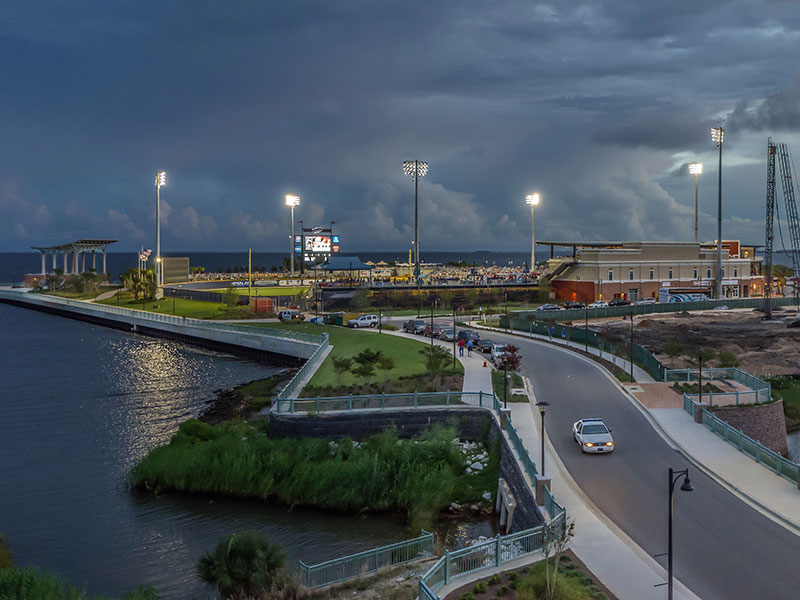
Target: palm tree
{"points": [[782, 273], [242, 564]]}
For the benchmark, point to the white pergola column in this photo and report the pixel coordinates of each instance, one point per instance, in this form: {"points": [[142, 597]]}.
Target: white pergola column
{"points": [[74, 262], [83, 262], [44, 267], [94, 260], [104, 261], [66, 263], [55, 264]]}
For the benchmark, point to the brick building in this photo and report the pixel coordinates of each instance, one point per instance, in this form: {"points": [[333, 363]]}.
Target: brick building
{"points": [[634, 270]]}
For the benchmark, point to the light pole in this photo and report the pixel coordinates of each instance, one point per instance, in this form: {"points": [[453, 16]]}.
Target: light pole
{"points": [[161, 179], [685, 487], [505, 380], [717, 134], [532, 200], [695, 169], [416, 169], [291, 202], [542, 407]]}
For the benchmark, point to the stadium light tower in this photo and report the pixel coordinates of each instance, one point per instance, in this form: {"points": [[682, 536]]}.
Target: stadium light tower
{"points": [[717, 134], [416, 169], [161, 180], [291, 202], [695, 169], [532, 200]]}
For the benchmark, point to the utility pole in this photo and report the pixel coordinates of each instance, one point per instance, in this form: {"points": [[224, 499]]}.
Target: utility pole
{"points": [[718, 134]]}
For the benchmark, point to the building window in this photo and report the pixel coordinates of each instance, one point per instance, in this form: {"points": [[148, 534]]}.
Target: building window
{"points": [[669, 276], [736, 272], [652, 274], [630, 274], [722, 272], [708, 273], [694, 276], [610, 275]]}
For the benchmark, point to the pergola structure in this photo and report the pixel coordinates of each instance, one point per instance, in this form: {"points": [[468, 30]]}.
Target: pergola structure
{"points": [[77, 250]]}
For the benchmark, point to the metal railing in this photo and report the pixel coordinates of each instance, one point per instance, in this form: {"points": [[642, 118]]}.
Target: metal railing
{"points": [[386, 402], [171, 319], [311, 365], [525, 459], [753, 448], [760, 390], [363, 563]]}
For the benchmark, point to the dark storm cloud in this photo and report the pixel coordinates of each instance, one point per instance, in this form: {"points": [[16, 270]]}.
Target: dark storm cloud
{"points": [[590, 103]]}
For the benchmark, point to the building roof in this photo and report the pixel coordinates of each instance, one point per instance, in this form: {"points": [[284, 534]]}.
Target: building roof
{"points": [[344, 263], [84, 244]]}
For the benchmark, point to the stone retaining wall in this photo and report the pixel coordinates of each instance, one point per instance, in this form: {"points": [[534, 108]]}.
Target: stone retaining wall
{"points": [[471, 424], [763, 422]]}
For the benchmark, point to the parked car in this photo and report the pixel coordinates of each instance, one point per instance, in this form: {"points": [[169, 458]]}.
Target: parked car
{"points": [[414, 326], [291, 315], [363, 321], [592, 435], [598, 304], [486, 346], [467, 335], [436, 329], [498, 352], [573, 304], [619, 302], [447, 335], [316, 320], [722, 307], [549, 307], [642, 301]]}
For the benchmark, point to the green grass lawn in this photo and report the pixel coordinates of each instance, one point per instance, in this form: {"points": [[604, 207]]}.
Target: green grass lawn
{"points": [[349, 342], [182, 307], [515, 381], [788, 390], [77, 295], [265, 291]]}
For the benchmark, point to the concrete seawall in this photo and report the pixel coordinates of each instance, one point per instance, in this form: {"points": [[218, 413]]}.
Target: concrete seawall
{"points": [[471, 424], [284, 347]]}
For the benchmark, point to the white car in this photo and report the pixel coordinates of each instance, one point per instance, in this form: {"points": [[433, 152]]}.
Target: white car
{"points": [[363, 321], [592, 435], [641, 301], [498, 352], [598, 304]]}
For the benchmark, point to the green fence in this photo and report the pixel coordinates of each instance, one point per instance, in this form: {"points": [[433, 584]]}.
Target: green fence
{"points": [[760, 391], [582, 335], [577, 314], [753, 448], [308, 367], [364, 563], [386, 401]]}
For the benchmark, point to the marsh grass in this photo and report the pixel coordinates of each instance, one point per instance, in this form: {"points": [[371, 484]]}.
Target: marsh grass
{"points": [[29, 583], [383, 473]]}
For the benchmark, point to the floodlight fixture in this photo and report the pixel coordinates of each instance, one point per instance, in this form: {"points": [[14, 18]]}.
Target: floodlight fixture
{"points": [[532, 199], [161, 178], [717, 134], [415, 168], [292, 200], [696, 168]]}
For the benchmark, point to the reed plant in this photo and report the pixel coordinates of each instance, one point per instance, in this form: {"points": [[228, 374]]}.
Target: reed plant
{"points": [[419, 476], [28, 583]]}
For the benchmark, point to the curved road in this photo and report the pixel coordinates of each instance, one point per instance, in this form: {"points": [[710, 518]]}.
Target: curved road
{"points": [[723, 548]]}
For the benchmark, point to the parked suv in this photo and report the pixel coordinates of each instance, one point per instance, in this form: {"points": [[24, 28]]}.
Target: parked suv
{"points": [[414, 326], [467, 335], [363, 321], [291, 315], [573, 304], [436, 329], [619, 302]]}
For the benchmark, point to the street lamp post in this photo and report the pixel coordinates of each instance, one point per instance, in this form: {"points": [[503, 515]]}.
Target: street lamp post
{"points": [[696, 169], [532, 200], [291, 202], [505, 380], [685, 487], [161, 179], [718, 134], [416, 169], [542, 407]]}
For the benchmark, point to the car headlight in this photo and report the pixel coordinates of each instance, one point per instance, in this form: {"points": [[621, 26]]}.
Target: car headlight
{"points": [[588, 444], [609, 443]]}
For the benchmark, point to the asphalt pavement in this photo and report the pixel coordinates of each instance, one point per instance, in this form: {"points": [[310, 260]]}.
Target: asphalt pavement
{"points": [[723, 548]]}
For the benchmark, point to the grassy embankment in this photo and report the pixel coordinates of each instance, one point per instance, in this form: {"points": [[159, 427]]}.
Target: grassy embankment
{"points": [[267, 292], [32, 583], [514, 381], [78, 295], [788, 390], [181, 307], [409, 373], [419, 476]]}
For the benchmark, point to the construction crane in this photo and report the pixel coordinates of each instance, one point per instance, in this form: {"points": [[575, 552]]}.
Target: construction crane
{"points": [[781, 152]]}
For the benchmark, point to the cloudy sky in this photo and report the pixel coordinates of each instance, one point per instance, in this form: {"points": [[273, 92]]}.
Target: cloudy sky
{"points": [[599, 106]]}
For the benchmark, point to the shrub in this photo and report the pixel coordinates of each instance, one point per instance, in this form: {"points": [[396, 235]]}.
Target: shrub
{"points": [[390, 327], [727, 358], [502, 591], [494, 579], [480, 587], [467, 596]]}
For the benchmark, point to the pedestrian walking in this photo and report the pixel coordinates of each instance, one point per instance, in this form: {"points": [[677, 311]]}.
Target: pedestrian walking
{"points": [[461, 347], [550, 331], [469, 348], [563, 333]]}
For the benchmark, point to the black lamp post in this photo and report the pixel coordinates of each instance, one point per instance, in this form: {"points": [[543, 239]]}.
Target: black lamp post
{"points": [[505, 381], [454, 337], [685, 487], [542, 407]]}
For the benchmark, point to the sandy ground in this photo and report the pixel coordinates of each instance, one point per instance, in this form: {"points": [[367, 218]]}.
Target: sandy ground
{"points": [[762, 347]]}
